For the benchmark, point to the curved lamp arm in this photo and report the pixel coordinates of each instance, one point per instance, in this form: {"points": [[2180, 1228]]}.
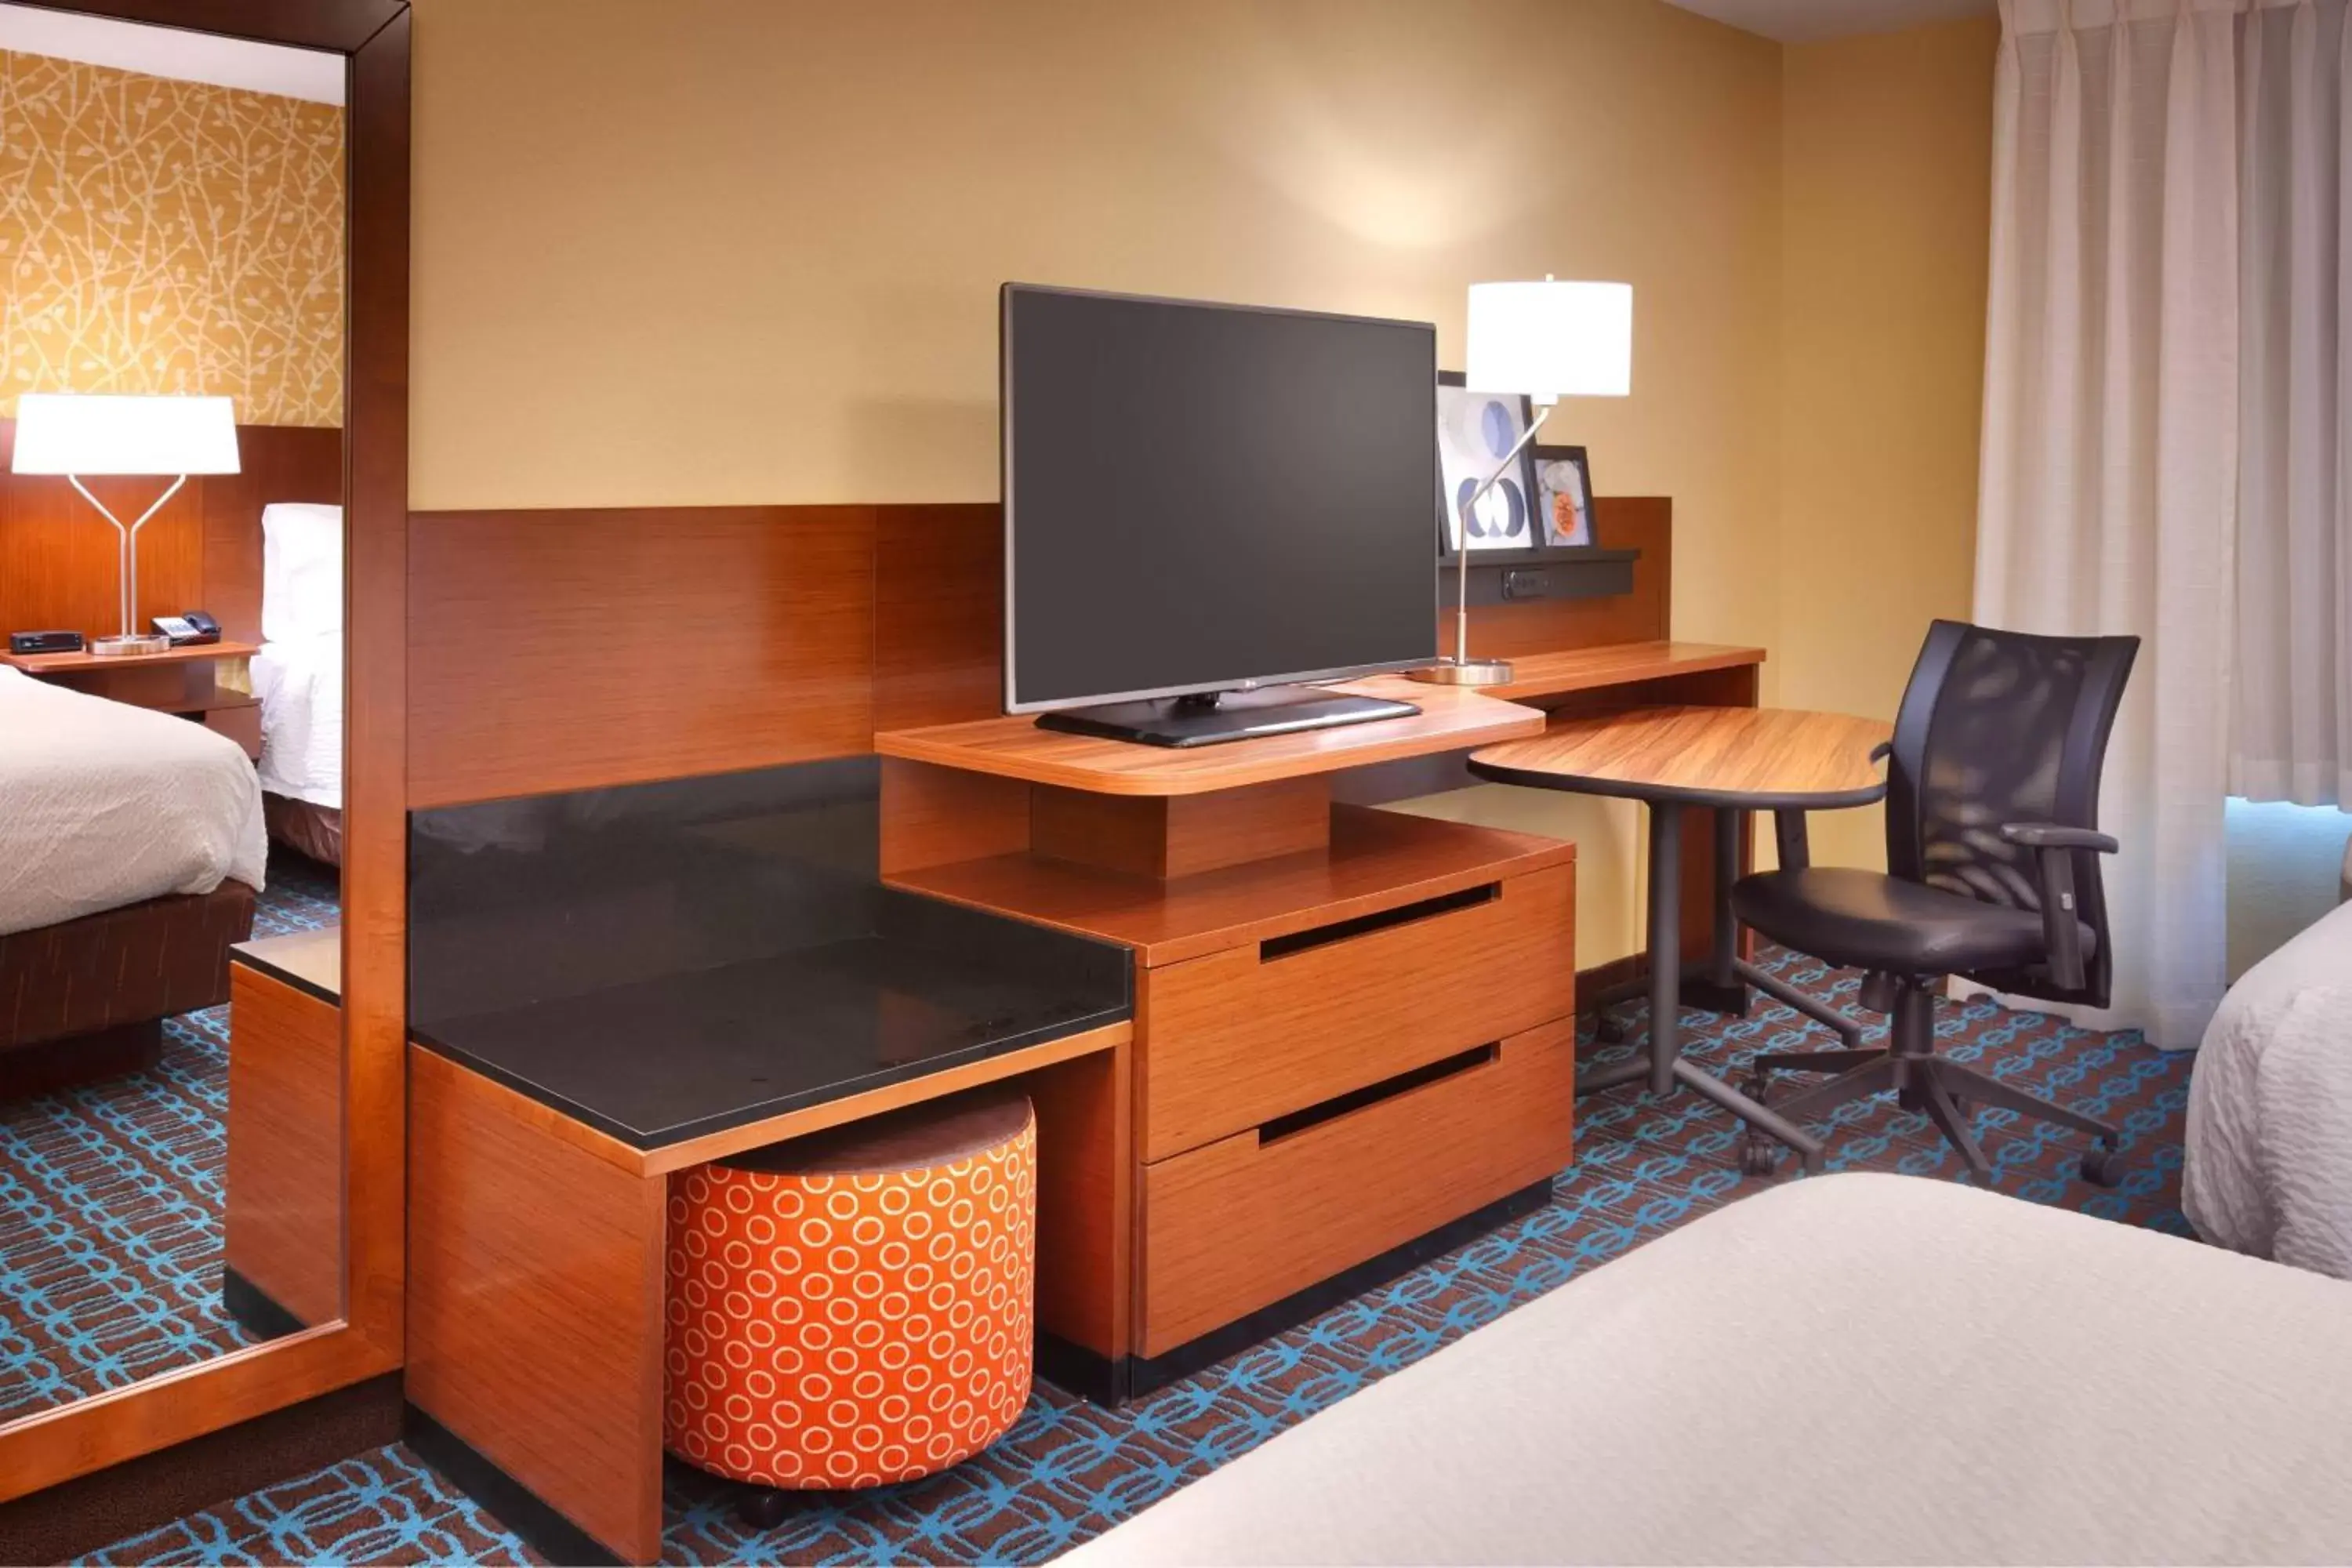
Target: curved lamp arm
{"points": [[1462, 532]]}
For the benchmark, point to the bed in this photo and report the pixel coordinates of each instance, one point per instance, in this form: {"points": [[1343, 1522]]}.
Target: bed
{"points": [[1855, 1368], [2270, 1107], [297, 675], [130, 850]]}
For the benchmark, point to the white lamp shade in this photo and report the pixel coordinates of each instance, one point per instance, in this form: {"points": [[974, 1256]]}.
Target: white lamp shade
{"points": [[90, 433], [1552, 339]]}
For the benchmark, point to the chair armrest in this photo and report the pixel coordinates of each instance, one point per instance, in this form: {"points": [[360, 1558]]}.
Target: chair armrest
{"points": [[2046, 835], [2053, 851], [1791, 842]]}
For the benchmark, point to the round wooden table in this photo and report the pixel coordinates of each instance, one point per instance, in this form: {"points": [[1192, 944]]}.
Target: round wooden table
{"points": [[1731, 761]]}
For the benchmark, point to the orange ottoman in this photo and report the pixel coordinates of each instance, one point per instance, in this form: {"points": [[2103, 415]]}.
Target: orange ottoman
{"points": [[853, 1309]]}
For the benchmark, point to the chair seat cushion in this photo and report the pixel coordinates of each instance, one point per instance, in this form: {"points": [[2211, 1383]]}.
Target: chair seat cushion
{"points": [[1866, 919]]}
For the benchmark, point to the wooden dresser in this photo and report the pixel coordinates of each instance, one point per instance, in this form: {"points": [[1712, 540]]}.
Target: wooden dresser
{"points": [[1354, 1028]]}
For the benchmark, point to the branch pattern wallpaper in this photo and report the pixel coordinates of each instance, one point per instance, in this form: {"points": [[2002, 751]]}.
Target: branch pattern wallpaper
{"points": [[174, 236]]}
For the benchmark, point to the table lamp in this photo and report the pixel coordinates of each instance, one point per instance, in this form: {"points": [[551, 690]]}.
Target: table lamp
{"points": [[107, 433], [1546, 341]]}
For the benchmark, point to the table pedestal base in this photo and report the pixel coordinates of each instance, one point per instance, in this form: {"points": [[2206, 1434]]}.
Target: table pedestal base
{"points": [[1662, 1066]]}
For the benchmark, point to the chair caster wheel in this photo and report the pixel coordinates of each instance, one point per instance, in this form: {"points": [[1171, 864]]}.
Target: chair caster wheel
{"points": [[1758, 1157], [1608, 1030], [2101, 1167], [762, 1507]]}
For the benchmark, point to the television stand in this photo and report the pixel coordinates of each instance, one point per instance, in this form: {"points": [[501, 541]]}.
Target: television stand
{"points": [[1208, 718]]}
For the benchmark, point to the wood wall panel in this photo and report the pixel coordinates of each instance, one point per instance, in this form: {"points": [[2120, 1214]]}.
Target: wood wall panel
{"points": [[59, 561], [938, 614], [559, 650], [1545, 626]]}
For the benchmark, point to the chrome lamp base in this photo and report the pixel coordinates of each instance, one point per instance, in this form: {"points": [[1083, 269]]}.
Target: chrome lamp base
{"points": [[1466, 672]]}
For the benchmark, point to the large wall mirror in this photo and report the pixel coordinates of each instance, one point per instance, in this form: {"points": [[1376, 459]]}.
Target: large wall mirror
{"points": [[202, 507]]}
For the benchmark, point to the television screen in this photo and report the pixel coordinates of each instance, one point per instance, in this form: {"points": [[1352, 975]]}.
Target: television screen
{"points": [[1199, 498]]}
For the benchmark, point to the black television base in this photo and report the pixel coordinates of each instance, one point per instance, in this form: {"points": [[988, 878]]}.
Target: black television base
{"points": [[1210, 717]]}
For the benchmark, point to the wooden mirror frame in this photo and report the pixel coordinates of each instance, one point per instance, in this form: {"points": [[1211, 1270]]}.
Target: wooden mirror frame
{"points": [[41, 1450]]}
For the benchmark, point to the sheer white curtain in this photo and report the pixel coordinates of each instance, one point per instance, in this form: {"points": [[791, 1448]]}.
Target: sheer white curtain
{"points": [[2110, 463], [2292, 727]]}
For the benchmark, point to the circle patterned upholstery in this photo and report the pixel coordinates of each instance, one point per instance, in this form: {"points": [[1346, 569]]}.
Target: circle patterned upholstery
{"points": [[852, 1311]]}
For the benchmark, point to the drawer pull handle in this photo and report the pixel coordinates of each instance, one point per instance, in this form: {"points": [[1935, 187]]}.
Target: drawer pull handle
{"points": [[1275, 947], [1331, 1109]]}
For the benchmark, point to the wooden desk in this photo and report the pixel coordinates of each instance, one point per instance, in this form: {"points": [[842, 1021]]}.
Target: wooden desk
{"points": [[202, 681], [1317, 1093], [544, 1121], [1732, 761], [1014, 747], [539, 1250]]}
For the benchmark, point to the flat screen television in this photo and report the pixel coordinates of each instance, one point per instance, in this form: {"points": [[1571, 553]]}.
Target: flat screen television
{"points": [[1206, 506]]}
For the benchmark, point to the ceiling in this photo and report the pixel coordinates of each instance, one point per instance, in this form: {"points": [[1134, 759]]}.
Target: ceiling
{"points": [[1807, 21], [170, 52]]}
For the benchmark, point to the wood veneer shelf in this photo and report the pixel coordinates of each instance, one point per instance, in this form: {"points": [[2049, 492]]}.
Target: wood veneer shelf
{"points": [[1015, 748], [1376, 860], [84, 660], [1617, 664]]}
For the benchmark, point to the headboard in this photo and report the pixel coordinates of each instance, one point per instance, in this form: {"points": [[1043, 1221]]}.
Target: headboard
{"points": [[59, 561]]}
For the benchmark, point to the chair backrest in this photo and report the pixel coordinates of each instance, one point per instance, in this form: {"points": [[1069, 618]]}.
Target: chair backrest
{"points": [[2000, 727]]}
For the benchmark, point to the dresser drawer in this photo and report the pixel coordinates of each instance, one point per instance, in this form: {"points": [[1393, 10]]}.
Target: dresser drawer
{"points": [[1250, 1219], [1239, 1037]]}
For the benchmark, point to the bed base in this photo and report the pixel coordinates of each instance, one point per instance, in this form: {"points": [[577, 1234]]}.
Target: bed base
{"points": [[85, 999], [57, 1064]]}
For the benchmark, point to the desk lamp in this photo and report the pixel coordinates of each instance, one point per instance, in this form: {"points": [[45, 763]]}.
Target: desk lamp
{"points": [[93, 434], [1547, 341]]}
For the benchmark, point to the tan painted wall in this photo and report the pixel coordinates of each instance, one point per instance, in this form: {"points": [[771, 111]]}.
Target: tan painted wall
{"points": [[707, 251], [169, 237], [1886, 179]]}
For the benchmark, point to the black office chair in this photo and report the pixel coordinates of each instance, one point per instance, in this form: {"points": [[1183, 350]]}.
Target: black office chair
{"points": [[1992, 855]]}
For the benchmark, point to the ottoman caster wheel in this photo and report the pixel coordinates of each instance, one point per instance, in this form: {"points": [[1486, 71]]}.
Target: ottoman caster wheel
{"points": [[764, 1508], [2101, 1167], [1607, 1030], [1758, 1157]]}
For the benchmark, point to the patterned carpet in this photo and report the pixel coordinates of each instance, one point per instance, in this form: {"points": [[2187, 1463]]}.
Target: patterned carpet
{"points": [[110, 1203], [1069, 1470]]}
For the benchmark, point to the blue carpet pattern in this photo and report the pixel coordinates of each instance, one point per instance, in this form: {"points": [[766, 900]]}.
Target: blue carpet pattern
{"points": [[110, 1203], [1069, 1470]]}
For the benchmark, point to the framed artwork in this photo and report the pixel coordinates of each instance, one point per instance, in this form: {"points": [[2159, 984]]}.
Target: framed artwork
{"points": [[1476, 431], [1563, 497]]}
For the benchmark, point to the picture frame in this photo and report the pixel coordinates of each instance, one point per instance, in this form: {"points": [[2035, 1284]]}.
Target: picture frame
{"points": [[1563, 491], [1477, 430]]}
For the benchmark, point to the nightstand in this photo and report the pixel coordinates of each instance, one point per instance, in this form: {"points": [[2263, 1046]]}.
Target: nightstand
{"points": [[207, 682]]}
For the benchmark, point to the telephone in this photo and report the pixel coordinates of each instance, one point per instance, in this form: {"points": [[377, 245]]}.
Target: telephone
{"points": [[195, 626]]}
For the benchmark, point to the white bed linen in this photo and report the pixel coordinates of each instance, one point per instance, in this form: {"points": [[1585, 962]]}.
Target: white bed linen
{"points": [[1846, 1369], [2270, 1107], [301, 571], [104, 805], [301, 684]]}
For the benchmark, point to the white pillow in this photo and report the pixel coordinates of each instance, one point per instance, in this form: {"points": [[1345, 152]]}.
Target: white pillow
{"points": [[301, 571]]}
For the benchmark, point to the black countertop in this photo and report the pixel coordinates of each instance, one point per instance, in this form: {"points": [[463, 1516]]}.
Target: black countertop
{"points": [[669, 961]]}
